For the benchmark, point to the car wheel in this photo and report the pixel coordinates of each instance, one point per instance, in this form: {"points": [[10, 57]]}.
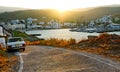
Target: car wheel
{"points": [[8, 50], [23, 49]]}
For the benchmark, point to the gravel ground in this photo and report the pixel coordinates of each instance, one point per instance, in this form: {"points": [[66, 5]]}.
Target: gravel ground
{"points": [[51, 59]]}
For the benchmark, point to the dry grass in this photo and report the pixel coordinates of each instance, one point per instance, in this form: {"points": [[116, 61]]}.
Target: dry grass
{"points": [[105, 44], [53, 42], [3, 59], [6, 63]]}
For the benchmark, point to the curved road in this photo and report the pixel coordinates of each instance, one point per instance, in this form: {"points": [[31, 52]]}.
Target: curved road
{"points": [[51, 59]]}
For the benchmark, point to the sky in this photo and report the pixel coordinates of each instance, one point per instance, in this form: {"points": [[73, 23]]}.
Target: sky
{"points": [[56, 4]]}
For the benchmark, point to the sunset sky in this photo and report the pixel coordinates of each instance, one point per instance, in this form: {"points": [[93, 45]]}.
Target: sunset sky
{"points": [[57, 4]]}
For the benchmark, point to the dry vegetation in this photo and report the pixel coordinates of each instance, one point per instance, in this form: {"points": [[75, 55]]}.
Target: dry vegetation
{"points": [[106, 44], [6, 63], [53, 42]]}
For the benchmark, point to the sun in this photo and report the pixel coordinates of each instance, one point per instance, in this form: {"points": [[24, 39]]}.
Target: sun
{"points": [[62, 9], [60, 5]]}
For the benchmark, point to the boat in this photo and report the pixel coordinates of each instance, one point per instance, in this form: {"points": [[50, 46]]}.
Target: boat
{"points": [[35, 34]]}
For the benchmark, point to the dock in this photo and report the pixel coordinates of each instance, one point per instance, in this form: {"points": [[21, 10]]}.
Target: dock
{"points": [[35, 34]]}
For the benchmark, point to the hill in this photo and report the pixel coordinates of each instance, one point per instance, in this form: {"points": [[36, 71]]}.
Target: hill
{"points": [[73, 16], [99, 12], [116, 15], [6, 16], [10, 9]]}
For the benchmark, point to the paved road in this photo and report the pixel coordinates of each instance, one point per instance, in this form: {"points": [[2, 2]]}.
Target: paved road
{"points": [[49, 59]]}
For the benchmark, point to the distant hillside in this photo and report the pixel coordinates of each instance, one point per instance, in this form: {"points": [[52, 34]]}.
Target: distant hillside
{"points": [[9, 9], [116, 15], [99, 12], [73, 16], [114, 5], [39, 14]]}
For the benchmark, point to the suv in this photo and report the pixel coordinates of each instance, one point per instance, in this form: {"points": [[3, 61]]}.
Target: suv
{"points": [[15, 43]]}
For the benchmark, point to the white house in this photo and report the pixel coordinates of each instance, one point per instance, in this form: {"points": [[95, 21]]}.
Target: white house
{"points": [[41, 23], [34, 19], [2, 23], [29, 20], [91, 24], [14, 21], [115, 26], [53, 24], [68, 24], [1, 31], [116, 19], [104, 19], [16, 26]]}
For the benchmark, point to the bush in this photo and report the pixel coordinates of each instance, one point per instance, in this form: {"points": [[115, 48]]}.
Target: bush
{"points": [[53, 42], [2, 51]]}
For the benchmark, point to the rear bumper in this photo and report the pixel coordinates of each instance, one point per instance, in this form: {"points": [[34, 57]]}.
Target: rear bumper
{"points": [[15, 48]]}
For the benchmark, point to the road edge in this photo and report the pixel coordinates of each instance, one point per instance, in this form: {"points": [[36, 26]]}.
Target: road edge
{"points": [[20, 61]]}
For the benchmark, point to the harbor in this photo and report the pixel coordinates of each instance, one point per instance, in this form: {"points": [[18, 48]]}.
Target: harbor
{"points": [[100, 25]]}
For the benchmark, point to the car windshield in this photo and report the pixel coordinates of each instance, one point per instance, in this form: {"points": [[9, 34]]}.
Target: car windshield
{"points": [[15, 39]]}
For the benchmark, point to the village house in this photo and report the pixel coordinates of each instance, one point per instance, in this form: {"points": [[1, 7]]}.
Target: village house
{"points": [[2, 39], [1, 31], [29, 20], [115, 26], [67, 24], [91, 24], [53, 24], [41, 23], [14, 21], [2, 23], [15, 26], [116, 19]]}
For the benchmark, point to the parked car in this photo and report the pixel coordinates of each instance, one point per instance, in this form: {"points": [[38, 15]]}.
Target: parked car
{"points": [[15, 43]]}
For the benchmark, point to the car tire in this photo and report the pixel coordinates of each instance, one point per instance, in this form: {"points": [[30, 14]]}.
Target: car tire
{"points": [[23, 49], [8, 50]]}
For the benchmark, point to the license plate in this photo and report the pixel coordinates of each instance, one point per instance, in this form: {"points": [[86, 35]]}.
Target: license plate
{"points": [[17, 44]]}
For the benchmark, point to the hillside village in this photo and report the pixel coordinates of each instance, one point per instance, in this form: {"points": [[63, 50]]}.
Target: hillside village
{"points": [[33, 23], [105, 23]]}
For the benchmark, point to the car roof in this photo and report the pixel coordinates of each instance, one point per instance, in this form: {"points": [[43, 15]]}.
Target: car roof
{"points": [[14, 37]]}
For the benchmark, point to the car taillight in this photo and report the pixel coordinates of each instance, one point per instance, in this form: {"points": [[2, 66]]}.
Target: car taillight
{"points": [[24, 45]]}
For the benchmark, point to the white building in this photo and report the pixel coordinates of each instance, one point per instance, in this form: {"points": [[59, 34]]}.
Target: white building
{"points": [[15, 26], [29, 20], [116, 19], [14, 21], [41, 23], [1, 31], [2, 23], [53, 24], [104, 19], [115, 26], [91, 24]]}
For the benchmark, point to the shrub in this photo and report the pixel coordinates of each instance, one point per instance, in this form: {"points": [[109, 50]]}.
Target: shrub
{"points": [[53, 42]]}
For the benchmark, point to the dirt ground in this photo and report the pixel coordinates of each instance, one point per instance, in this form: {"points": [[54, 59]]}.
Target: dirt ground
{"points": [[51, 59]]}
